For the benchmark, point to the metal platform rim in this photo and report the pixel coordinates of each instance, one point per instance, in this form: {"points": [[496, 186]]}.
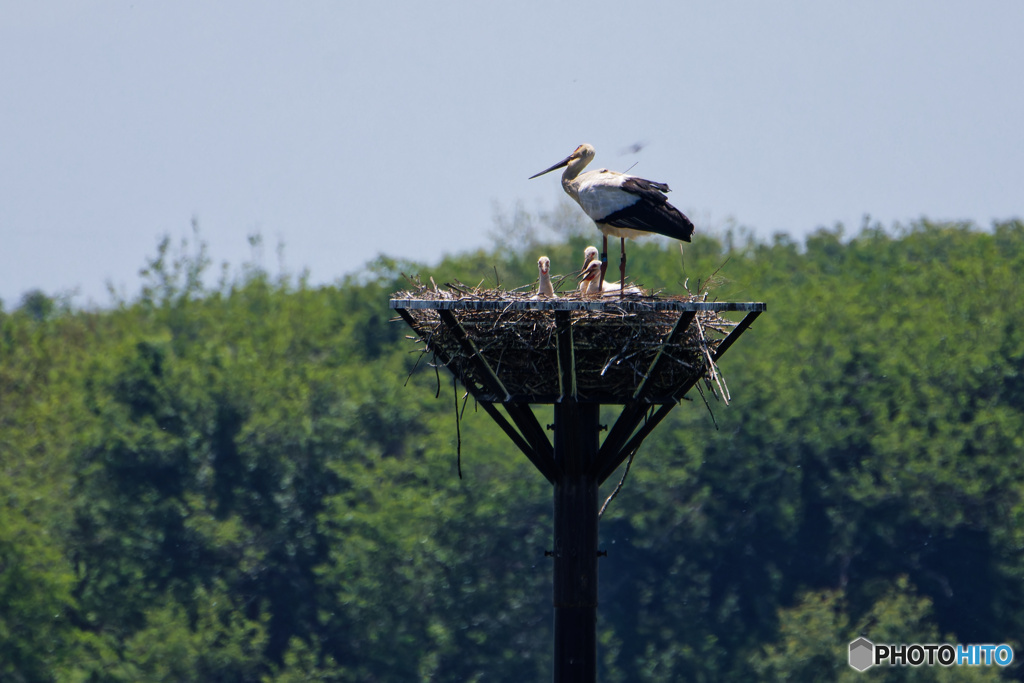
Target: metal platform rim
{"points": [[615, 306]]}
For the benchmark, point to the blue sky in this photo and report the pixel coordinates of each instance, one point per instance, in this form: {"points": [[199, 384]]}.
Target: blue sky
{"points": [[344, 130]]}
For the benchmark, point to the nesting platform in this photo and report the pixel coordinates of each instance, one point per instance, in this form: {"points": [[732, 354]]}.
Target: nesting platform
{"points": [[519, 349], [513, 351]]}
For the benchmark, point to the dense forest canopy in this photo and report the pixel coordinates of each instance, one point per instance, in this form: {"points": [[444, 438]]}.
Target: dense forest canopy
{"points": [[253, 480]]}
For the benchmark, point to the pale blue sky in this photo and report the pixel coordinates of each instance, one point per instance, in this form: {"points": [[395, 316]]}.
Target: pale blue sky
{"points": [[347, 129]]}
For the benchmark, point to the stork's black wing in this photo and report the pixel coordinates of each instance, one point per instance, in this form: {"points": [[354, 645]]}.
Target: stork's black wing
{"points": [[651, 212]]}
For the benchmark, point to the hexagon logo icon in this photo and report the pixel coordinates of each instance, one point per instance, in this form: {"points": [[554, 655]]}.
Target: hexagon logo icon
{"points": [[862, 651]]}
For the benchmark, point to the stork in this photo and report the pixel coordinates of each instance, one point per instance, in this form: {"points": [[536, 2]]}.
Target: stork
{"points": [[621, 205], [544, 287], [589, 254], [591, 283]]}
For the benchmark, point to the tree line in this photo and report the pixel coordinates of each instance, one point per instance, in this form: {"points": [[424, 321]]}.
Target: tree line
{"points": [[254, 480]]}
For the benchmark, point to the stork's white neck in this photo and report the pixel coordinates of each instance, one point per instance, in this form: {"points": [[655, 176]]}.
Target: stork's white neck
{"points": [[572, 171], [545, 288]]}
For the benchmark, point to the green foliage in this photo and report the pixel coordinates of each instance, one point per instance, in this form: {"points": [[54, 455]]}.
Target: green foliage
{"points": [[254, 480], [35, 591], [815, 633], [207, 640]]}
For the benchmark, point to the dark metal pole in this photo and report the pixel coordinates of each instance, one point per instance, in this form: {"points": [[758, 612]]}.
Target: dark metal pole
{"points": [[575, 553]]}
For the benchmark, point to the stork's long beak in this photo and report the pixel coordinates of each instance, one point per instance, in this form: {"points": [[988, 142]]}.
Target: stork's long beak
{"points": [[586, 273], [560, 164]]}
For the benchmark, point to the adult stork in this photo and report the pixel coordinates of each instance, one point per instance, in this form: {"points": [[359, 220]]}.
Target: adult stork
{"points": [[621, 205]]}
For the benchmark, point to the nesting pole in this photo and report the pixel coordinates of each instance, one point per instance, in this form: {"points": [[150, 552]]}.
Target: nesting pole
{"points": [[511, 352]]}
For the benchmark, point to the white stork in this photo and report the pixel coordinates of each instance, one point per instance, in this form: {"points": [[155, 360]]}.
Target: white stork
{"points": [[544, 287], [589, 254], [591, 283], [621, 205]]}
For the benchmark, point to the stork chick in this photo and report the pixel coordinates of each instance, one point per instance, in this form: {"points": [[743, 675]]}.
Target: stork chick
{"points": [[544, 287], [589, 254], [591, 284]]}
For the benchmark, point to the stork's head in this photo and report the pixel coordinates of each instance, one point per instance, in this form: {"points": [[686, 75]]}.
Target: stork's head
{"points": [[584, 154], [590, 271], [576, 161], [589, 278], [544, 265], [589, 254]]}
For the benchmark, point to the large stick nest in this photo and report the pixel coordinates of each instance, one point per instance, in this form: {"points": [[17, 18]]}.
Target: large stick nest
{"points": [[614, 349]]}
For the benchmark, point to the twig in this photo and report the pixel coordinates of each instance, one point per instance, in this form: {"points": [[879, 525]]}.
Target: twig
{"points": [[712, 369], [458, 430], [618, 487], [415, 365], [707, 405], [437, 373]]}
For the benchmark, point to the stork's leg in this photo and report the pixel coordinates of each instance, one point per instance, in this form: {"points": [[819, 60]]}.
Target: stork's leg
{"points": [[604, 264], [622, 266]]}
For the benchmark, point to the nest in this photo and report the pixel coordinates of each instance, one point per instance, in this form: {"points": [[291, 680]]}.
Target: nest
{"points": [[622, 349]]}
